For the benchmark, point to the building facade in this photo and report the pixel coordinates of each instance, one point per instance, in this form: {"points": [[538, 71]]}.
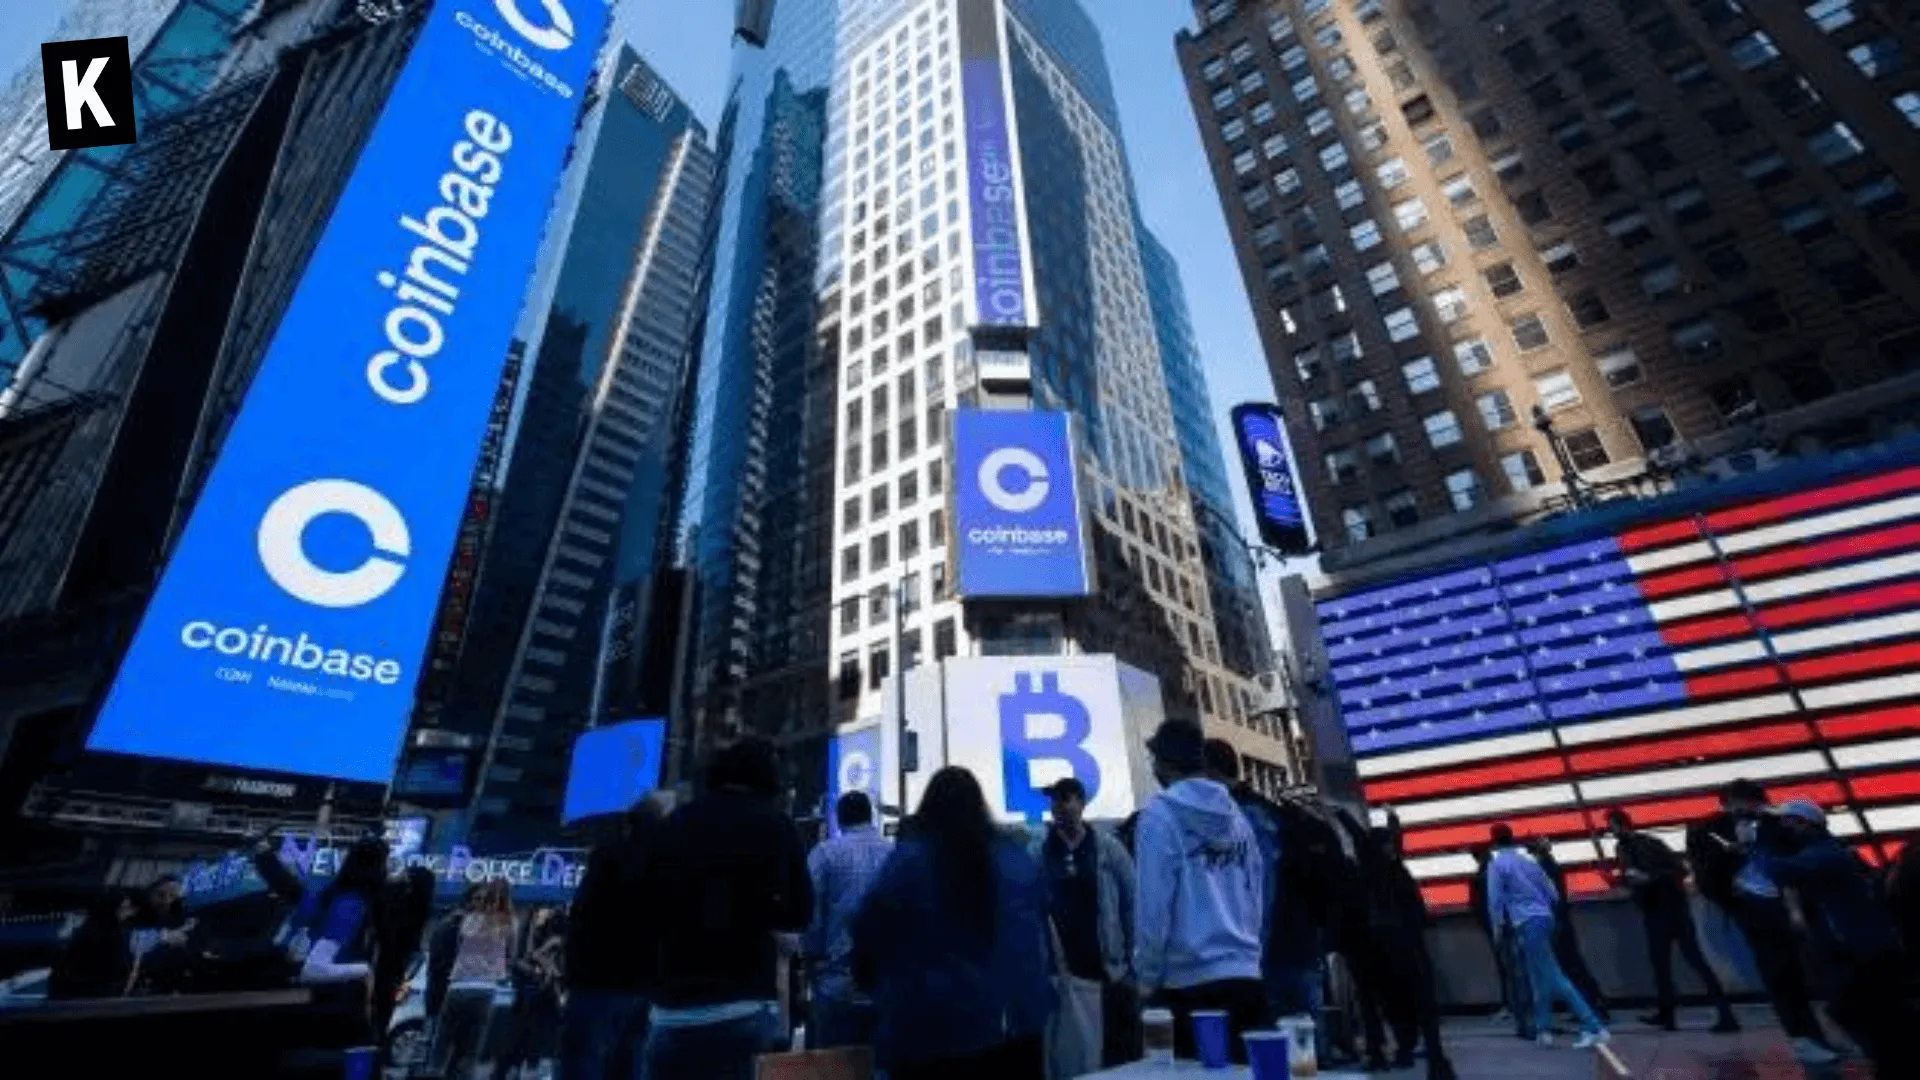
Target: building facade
{"points": [[1679, 229], [582, 509], [908, 343], [1232, 579]]}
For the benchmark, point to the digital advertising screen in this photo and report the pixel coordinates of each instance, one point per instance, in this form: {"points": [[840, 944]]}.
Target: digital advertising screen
{"points": [[1016, 505], [1261, 436], [614, 765]]}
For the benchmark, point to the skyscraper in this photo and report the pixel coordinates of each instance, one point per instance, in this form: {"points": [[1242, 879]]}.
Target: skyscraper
{"points": [[912, 348], [1680, 231], [1232, 579], [582, 507]]}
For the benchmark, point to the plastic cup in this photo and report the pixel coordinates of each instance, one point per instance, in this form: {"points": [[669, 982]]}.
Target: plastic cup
{"points": [[359, 1062], [1157, 1027], [1210, 1037], [1267, 1053]]}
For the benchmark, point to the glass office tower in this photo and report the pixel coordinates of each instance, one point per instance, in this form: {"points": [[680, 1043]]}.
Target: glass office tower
{"points": [[582, 500]]}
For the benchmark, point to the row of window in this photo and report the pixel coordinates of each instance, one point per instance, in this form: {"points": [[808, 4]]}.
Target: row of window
{"points": [[880, 547], [879, 657]]}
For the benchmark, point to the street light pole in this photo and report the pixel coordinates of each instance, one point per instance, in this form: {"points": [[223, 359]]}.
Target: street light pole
{"points": [[1569, 475], [900, 687]]}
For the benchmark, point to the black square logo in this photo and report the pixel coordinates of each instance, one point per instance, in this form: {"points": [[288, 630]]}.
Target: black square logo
{"points": [[89, 93]]}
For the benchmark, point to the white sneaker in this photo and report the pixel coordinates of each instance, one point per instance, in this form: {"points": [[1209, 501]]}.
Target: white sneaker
{"points": [[1590, 1039], [1811, 1052], [1545, 1038]]}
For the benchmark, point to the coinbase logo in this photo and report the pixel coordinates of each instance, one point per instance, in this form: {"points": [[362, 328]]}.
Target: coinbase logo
{"points": [[556, 35], [856, 771], [993, 470], [283, 553]]}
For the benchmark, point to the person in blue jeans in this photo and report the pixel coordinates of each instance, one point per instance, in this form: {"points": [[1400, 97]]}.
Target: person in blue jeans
{"points": [[1521, 899]]}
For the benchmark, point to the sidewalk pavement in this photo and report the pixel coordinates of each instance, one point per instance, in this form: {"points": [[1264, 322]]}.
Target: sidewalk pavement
{"points": [[1481, 1051]]}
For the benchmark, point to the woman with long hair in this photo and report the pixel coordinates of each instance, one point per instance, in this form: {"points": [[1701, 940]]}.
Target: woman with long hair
{"points": [[483, 951], [343, 947], [409, 909], [952, 945]]}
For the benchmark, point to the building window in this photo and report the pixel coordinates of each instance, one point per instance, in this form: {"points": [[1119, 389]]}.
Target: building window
{"points": [[1382, 451], [1245, 162], [1852, 280], [1572, 135], [1589, 310], [850, 562], [1319, 122], [1403, 510], [1358, 521], [1233, 130], [944, 639], [1274, 146], [1364, 397], [1556, 390], [1834, 144], [1652, 428], [1410, 214], [1263, 113], [1909, 106], [1343, 465], [1599, 179], [1496, 410], [1653, 155], [1727, 120], [1473, 356], [1429, 256], [1345, 350], [849, 681], [1287, 183], [1486, 124], [1254, 198], [1443, 428], [1831, 15], [1480, 233], [1881, 193], [1547, 94], [1463, 487], [1224, 98], [1333, 158], [1325, 412], [1439, 149], [1382, 278], [1723, 257], [1392, 173], [1509, 167], [1629, 227], [1450, 304], [1366, 235], [1523, 470], [1529, 333], [1619, 366], [1762, 313], [1421, 375], [1585, 449], [1805, 221], [1349, 195], [1503, 280], [1697, 339], [1734, 399], [877, 667], [1459, 190], [1267, 235], [1401, 325], [1622, 110], [1687, 205], [1753, 50], [1329, 302], [1533, 208], [1307, 363]]}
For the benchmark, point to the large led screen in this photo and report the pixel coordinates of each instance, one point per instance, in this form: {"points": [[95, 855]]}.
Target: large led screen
{"points": [[1778, 640]]}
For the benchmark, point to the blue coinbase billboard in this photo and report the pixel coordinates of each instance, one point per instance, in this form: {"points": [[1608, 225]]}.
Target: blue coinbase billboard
{"points": [[287, 630], [1262, 439], [613, 766], [853, 764], [1016, 505]]}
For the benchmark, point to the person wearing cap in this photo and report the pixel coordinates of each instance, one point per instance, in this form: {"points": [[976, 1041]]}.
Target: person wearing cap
{"points": [[1200, 900], [1720, 851], [1851, 928], [1089, 879]]}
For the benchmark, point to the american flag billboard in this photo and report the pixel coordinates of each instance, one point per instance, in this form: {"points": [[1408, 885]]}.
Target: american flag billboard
{"points": [[1777, 640]]}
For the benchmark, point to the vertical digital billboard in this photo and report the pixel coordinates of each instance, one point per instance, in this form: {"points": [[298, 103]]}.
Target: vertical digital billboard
{"points": [[1002, 294], [613, 766], [853, 764], [287, 629], [1261, 435], [1016, 505]]}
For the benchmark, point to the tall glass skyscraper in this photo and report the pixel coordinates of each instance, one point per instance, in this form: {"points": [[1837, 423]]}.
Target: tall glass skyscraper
{"points": [[582, 503], [1232, 580]]}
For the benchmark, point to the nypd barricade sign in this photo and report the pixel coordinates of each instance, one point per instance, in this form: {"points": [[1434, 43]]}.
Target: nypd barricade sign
{"points": [[1016, 505], [287, 629], [1020, 723]]}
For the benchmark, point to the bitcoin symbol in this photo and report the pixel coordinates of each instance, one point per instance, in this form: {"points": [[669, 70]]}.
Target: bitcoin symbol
{"points": [[1020, 747]]}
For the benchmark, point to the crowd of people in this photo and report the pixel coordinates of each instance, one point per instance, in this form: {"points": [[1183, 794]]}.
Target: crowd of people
{"points": [[962, 948]]}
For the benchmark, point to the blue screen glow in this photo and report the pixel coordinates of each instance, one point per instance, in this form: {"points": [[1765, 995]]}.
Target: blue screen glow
{"points": [[1016, 505]]}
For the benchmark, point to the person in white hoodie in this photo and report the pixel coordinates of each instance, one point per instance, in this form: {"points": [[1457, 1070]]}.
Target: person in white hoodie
{"points": [[1198, 900]]}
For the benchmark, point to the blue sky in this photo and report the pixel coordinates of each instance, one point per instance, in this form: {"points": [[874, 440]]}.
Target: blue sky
{"points": [[688, 42]]}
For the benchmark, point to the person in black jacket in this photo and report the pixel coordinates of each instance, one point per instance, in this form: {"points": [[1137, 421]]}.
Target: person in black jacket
{"points": [[1851, 930], [1658, 880], [1719, 850], [1399, 919], [728, 873], [409, 907], [611, 953]]}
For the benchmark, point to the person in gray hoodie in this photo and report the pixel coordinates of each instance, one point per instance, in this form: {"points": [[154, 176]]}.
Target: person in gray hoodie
{"points": [[1199, 895]]}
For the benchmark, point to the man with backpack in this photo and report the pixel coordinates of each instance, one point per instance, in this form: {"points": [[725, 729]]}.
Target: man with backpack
{"points": [[1657, 877]]}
